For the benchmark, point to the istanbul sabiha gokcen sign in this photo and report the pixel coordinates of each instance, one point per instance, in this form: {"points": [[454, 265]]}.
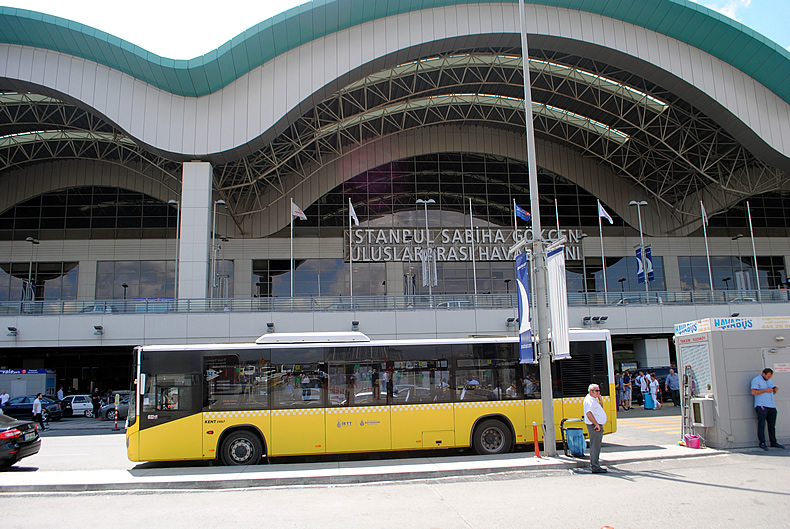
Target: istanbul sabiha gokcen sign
{"points": [[449, 244]]}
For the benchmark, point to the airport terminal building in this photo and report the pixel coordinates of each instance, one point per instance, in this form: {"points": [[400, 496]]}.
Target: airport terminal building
{"points": [[150, 200]]}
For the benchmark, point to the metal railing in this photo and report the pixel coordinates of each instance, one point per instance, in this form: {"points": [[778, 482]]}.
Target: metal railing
{"points": [[380, 303]]}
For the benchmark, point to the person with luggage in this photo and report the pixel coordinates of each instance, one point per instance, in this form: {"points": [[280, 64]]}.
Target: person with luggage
{"points": [[654, 391], [595, 418], [637, 394]]}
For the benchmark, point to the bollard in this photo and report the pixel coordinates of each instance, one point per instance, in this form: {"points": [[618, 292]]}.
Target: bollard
{"points": [[535, 438]]}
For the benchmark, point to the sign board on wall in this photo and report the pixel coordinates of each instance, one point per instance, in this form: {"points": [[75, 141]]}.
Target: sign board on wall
{"points": [[450, 244]]}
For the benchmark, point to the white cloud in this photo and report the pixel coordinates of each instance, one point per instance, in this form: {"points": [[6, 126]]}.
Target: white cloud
{"points": [[728, 8]]}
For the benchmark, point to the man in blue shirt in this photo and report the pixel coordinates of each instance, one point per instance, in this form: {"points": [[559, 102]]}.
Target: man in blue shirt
{"points": [[763, 390], [672, 384]]}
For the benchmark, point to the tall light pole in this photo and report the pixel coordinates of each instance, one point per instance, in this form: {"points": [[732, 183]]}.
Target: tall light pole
{"points": [[178, 242], [540, 323], [31, 290], [124, 286], [219, 202], [642, 244], [428, 245], [739, 282]]}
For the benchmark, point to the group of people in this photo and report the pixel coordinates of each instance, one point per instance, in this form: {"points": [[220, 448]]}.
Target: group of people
{"points": [[644, 389]]}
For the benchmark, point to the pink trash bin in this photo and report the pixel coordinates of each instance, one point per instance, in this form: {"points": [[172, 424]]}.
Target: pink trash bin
{"points": [[692, 441]]}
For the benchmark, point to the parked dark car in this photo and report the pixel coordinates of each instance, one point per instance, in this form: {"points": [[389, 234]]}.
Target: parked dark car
{"points": [[22, 408], [18, 439], [108, 410], [661, 374]]}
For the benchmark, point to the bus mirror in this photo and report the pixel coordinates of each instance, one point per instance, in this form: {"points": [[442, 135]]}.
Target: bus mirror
{"points": [[141, 384]]}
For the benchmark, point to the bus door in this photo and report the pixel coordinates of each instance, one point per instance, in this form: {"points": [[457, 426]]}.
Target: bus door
{"points": [[298, 400], [357, 417], [170, 406]]}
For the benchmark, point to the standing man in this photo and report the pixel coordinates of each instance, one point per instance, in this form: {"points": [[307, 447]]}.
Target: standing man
{"points": [[594, 418], [626, 390], [96, 401], [763, 389], [672, 384], [60, 393], [4, 398], [637, 388], [37, 414]]}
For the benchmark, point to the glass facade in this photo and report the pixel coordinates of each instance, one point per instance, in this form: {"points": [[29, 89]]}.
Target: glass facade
{"points": [[51, 281], [144, 279], [731, 273], [316, 277], [90, 213]]}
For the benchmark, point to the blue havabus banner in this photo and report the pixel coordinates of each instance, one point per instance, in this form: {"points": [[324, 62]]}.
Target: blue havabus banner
{"points": [[640, 272], [526, 351]]}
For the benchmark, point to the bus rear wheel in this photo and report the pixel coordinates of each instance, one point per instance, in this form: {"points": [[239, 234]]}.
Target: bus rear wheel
{"points": [[492, 437], [241, 448]]}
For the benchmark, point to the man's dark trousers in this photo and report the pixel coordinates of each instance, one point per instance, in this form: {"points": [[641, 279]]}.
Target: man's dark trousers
{"points": [[596, 439], [766, 415]]}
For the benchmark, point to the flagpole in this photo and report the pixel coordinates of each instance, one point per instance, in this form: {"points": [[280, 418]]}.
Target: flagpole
{"points": [[474, 265], [754, 251], [292, 248], [557, 216], [350, 256], [707, 250], [515, 222], [540, 326], [603, 257]]}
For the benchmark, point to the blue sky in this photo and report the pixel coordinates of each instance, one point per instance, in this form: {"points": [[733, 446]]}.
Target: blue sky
{"points": [[182, 30]]}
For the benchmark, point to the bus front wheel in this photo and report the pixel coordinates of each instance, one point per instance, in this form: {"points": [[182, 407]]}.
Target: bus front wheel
{"points": [[492, 437], [241, 448]]}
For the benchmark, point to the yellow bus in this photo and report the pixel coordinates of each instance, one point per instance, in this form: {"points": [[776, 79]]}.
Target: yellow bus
{"points": [[330, 393]]}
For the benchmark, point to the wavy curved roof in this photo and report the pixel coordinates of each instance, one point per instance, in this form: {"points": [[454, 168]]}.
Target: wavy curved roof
{"points": [[730, 41]]}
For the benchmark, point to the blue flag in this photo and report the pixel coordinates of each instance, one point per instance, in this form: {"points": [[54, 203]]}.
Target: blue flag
{"points": [[521, 212], [526, 351]]}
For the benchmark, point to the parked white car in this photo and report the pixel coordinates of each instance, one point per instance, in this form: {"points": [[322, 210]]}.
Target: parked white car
{"points": [[80, 405]]}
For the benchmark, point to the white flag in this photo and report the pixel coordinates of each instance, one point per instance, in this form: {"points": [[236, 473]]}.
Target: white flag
{"points": [[704, 213], [352, 213], [296, 211], [603, 213]]}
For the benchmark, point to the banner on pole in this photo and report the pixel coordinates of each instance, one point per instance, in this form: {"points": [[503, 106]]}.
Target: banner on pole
{"points": [[526, 350], [648, 262], [558, 304]]}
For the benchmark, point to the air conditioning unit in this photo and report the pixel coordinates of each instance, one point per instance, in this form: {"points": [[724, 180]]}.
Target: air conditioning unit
{"points": [[702, 412]]}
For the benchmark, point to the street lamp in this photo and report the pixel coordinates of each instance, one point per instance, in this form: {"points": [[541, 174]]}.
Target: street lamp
{"points": [[507, 285], [739, 275], [621, 281], [219, 202], [727, 282], [125, 286], [429, 268], [642, 243], [177, 204], [31, 291]]}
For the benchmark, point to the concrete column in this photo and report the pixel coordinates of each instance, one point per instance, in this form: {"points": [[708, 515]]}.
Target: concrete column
{"points": [[651, 352], [195, 242]]}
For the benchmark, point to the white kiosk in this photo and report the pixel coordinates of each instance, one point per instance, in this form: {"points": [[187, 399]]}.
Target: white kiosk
{"points": [[722, 356]]}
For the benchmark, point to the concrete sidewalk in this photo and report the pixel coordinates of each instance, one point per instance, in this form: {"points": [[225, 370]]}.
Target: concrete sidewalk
{"points": [[201, 475]]}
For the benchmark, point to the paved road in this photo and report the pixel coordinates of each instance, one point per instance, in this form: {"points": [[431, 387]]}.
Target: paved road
{"points": [[735, 490]]}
